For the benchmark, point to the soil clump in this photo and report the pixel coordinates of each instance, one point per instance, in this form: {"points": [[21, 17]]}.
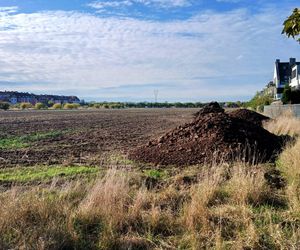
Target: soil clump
{"points": [[213, 136]]}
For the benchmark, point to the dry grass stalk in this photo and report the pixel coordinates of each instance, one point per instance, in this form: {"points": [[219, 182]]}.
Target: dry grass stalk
{"points": [[285, 124]]}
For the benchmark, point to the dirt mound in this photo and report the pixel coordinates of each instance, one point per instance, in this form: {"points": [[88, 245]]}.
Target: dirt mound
{"points": [[250, 116], [212, 107], [211, 137]]}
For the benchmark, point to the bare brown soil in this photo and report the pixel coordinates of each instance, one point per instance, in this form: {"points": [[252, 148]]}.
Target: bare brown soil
{"points": [[87, 134], [249, 116], [212, 136]]}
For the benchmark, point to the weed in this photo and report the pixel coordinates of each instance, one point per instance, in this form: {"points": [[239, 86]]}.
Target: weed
{"points": [[156, 174]]}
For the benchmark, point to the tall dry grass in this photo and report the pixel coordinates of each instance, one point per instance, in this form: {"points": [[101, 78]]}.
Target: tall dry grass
{"points": [[286, 124], [225, 207]]}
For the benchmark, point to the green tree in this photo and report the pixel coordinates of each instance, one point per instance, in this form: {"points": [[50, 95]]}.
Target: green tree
{"points": [[291, 26], [259, 101], [4, 105], [50, 103], [39, 105], [57, 106], [25, 105], [71, 106]]}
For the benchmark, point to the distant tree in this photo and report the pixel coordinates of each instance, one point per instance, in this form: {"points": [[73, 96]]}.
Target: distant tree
{"points": [[50, 103], [4, 105], [71, 106], [25, 105], [57, 106], [291, 26], [39, 105]]}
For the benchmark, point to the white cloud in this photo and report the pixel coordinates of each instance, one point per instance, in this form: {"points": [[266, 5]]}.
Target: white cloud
{"points": [[111, 4], [9, 10], [165, 3], [200, 56], [103, 4]]}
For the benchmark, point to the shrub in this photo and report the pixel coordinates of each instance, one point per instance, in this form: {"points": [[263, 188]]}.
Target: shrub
{"points": [[259, 101], [57, 106], [286, 95], [39, 105], [25, 105], [97, 105], [50, 104], [71, 106], [290, 95], [4, 105]]}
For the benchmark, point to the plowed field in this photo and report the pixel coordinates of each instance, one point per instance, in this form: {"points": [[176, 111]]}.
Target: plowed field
{"points": [[83, 136]]}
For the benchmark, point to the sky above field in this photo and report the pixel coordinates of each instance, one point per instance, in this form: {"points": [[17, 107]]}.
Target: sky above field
{"points": [[188, 50]]}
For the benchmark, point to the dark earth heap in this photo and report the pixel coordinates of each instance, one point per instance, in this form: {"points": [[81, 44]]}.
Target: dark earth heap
{"points": [[212, 137], [250, 116]]}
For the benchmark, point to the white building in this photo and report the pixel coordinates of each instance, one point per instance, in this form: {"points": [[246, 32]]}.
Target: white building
{"points": [[295, 83]]}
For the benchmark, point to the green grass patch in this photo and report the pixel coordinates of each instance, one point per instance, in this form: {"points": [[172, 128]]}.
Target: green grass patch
{"points": [[119, 159], [156, 174], [24, 141], [12, 143], [29, 174]]}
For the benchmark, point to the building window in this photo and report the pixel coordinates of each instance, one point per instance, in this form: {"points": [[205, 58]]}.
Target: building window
{"points": [[279, 90], [294, 73]]}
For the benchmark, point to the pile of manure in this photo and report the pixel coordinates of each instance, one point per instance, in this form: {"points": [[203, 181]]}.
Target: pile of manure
{"points": [[212, 136]]}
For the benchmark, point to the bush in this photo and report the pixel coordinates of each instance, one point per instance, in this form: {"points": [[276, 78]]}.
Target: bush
{"points": [[71, 106], [4, 105], [57, 106], [97, 105], [50, 104], [290, 96], [259, 101], [25, 105], [39, 105], [287, 94]]}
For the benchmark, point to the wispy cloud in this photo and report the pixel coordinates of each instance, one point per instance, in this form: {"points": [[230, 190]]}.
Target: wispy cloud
{"points": [[103, 4], [165, 3], [64, 51], [111, 4], [9, 10]]}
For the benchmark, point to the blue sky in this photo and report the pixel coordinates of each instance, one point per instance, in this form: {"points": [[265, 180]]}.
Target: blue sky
{"points": [[189, 50]]}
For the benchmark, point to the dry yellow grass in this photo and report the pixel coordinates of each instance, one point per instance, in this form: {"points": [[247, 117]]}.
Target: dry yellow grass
{"points": [[286, 124]]}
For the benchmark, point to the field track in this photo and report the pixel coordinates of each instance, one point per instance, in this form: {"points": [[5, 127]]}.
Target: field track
{"points": [[81, 136]]}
